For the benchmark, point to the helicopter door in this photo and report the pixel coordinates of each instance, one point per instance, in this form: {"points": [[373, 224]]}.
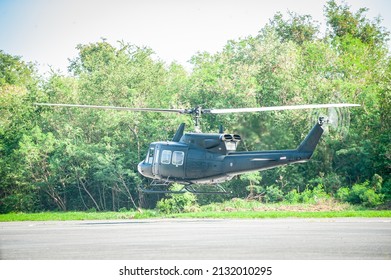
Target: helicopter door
{"points": [[155, 164]]}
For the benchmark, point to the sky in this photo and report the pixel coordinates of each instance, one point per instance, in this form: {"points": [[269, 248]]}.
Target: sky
{"points": [[47, 32]]}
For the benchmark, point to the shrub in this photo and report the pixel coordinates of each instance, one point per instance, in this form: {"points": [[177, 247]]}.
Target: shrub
{"points": [[361, 194], [358, 192], [318, 193], [308, 196], [292, 197], [273, 194], [177, 203], [343, 194], [370, 198], [123, 209]]}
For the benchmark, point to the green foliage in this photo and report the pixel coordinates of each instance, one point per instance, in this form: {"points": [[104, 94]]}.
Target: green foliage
{"points": [[343, 194], [18, 89], [13, 71], [178, 203], [77, 159], [293, 197], [308, 196], [273, 194], [344, 22], [364, 194], [269, 194], [297, 28], [253, 180]]}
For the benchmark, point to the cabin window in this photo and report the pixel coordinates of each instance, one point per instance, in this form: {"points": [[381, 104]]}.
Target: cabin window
{"points": [[166, 157], [177, 158]]}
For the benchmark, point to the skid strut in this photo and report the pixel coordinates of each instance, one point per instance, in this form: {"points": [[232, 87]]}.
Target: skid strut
{"points": [[162, 187]]}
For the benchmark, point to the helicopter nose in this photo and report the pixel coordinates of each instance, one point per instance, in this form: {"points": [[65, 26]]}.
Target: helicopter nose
{"points": [[145, 169], [140, 167]]}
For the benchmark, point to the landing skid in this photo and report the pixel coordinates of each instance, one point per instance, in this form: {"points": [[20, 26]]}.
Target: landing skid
{"points": [[220, 190], [161, 191], [163, 188]]}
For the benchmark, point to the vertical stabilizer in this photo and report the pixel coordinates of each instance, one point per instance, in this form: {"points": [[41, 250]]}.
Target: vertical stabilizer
{"points": [[311, 141]]}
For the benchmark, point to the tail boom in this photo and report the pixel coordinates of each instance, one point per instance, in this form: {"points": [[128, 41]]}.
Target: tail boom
{"points": [[242, 162]]}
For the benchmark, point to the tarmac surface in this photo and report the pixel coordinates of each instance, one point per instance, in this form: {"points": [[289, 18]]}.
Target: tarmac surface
{"points": [[198, 239]]}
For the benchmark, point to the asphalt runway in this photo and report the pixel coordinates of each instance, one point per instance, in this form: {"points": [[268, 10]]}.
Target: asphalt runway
{"points": [[198, 239]]}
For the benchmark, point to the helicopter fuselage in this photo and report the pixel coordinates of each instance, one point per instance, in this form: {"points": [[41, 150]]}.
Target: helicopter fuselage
{"points": [[205, 158]]}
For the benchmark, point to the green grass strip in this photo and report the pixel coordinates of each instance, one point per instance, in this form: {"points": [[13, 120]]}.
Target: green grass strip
{"points": [[284, 214], [71, 216], [63, 216]]}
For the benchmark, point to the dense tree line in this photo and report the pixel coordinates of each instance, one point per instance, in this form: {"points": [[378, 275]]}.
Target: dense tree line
{"points": [[78, 159]]}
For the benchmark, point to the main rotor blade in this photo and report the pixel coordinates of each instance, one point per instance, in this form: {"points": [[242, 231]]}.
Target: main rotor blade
{"points": [[277, 108], [180, 111], [195, 111]]}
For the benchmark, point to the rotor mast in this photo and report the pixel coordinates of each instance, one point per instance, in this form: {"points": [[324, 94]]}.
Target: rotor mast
{"points": [[197, 116]]}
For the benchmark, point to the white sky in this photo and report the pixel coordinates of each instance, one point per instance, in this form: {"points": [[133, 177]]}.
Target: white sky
{"points": [[47, 31]]}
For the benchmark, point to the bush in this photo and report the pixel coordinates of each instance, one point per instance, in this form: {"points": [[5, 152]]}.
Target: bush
{"points": [[123, 209], [307, 196], [292, 197], [177, 203], [361, 194], [273, 194], [318, 193], [370, 198], [343, 194]]}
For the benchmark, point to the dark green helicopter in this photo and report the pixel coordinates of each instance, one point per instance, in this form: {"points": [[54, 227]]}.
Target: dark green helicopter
{"points": [[211, 158]]}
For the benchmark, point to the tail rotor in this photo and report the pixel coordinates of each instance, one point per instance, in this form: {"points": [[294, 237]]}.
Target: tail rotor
{"points": [[336, 121]]}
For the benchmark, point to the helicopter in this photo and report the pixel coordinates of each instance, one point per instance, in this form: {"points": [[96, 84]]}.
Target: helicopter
{"points": [[197, 158]]}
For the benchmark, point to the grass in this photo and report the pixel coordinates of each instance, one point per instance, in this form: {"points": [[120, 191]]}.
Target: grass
{"points": [[77, 216], [72, 216], [62, 216], [232, 209], [284, 214]]}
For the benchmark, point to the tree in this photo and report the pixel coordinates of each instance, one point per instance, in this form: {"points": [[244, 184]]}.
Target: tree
{"points": [[297, 28], [343, 22], [18, 89]]}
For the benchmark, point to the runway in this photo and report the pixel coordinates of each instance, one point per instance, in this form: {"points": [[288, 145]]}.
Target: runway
{"points": [[198, 239]]}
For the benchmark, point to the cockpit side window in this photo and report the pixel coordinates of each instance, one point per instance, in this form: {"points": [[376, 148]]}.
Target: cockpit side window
{"points": [[150, 155]]}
